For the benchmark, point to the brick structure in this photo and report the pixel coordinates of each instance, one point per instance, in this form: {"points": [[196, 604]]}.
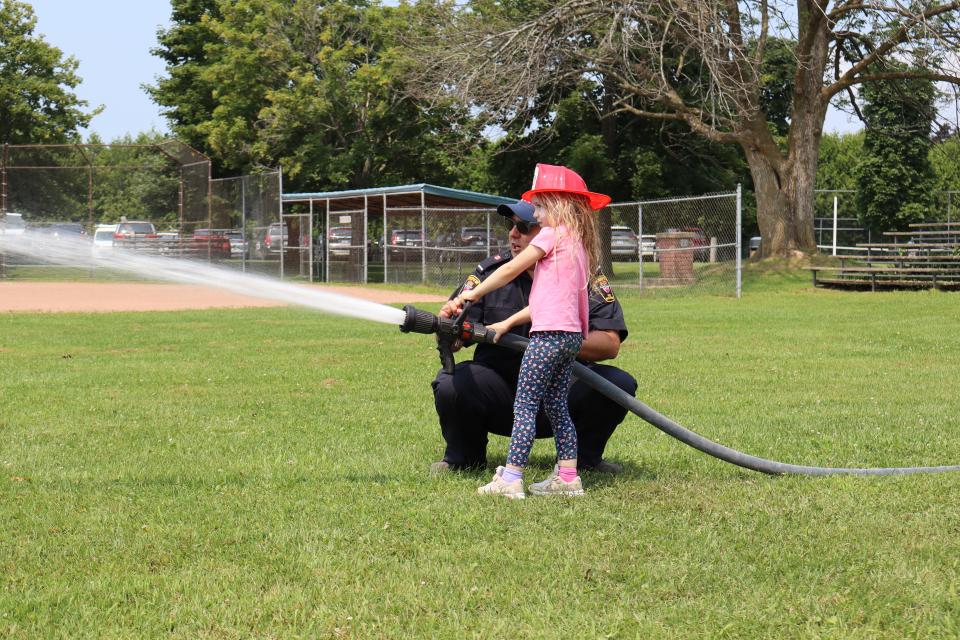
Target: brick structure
{"points": [[675, 250]]}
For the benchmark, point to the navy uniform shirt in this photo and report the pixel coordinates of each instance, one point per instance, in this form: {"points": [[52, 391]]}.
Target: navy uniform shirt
{"points": [[605, 312]]}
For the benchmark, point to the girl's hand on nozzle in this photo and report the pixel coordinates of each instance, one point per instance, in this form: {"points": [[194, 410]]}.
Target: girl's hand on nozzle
{"points": [[456, 305], [499, 328]]}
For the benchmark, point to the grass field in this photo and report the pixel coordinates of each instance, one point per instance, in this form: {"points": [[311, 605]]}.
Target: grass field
{"points": [[262, 473]]}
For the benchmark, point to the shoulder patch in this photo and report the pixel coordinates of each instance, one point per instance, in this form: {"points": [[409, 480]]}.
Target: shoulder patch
{"points": [[602, 286], [493, 261], [472, 281]]}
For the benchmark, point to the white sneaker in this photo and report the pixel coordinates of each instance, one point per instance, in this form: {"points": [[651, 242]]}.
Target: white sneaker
{"points": [[499, 486], [554, 486]]}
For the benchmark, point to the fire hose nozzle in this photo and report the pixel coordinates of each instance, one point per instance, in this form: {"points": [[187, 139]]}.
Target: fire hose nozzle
{"points": [[417, 321], [448, 331]]}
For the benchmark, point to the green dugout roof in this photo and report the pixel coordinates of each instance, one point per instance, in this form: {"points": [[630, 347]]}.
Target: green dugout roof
{"points": [[409, 195]]}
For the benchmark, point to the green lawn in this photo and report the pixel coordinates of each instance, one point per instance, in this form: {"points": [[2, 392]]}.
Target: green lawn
{"points": [[262, 473]]}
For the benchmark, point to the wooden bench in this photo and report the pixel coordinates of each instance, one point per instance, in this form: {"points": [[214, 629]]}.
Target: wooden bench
{"points": [[888, 277], [951, 233], [900, 246], [946, 261]]}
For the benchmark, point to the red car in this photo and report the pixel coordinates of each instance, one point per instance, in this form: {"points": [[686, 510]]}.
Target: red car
{"points": [[210, 242], [699, 241]]}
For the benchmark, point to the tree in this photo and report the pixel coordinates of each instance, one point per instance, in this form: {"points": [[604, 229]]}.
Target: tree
{"points": [[945, 159], [316, 87], [895, 180], [134, 178], [37, 103], [701, 64], [187, 94], [837, 171]]}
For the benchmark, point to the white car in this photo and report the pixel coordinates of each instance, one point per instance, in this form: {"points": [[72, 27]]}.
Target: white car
{"points": [[648, 247], [103, 238], [12, 224]]}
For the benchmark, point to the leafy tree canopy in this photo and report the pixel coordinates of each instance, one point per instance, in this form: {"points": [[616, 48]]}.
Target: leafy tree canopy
{"points": [[895, 181], [312, 86], [37, 103]]}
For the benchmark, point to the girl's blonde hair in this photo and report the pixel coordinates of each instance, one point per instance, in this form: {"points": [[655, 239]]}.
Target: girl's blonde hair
{"points": [[573, 211]]}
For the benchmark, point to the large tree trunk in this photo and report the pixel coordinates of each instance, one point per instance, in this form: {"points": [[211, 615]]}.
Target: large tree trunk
{"points": [[785, 197], [785, 184]]}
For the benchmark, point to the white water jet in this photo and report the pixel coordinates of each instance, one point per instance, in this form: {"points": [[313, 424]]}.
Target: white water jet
{"points": [[79, 253]]}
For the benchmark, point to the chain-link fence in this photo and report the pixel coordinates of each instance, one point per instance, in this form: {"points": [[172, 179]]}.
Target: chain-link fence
{"points": [[152, 198], [675, 245], [838, 229], [659, 246], [442, 245], [246, 209]]}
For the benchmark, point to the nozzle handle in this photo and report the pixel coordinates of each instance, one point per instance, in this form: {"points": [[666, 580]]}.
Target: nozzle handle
{"points": [[458, 323]]}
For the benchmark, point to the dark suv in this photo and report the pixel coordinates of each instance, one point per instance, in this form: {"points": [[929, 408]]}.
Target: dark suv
{"points": [[275, 238]]}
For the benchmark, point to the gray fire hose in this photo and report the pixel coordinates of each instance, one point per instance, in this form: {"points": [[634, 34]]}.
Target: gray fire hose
{"points": [[425, 322]]}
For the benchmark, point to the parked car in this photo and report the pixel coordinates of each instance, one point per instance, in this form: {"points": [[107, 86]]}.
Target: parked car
{"points": [[60, 230], [339, 241], [212, 243], [648, 247], [700, 242], [136, 235], [406, 238], [103, 237], [239, 245], [12, 224], [403, 242], [624, 244], [473, 237], [134, 229], [275, 238]]}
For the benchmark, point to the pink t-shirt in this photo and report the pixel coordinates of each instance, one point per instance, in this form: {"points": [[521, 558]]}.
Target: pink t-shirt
{"points": [[558, 298]]}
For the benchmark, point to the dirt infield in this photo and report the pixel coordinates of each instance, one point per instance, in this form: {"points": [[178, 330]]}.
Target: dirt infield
{"points": [[58, 297]]}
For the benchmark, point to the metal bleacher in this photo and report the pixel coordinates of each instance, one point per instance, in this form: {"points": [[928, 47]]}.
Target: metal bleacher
{"points": [[925, 257]]}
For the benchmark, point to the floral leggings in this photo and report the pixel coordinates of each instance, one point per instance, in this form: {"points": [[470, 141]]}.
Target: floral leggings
{"points": [[545, 378]]}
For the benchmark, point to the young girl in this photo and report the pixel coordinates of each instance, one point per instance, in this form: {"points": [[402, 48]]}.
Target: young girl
{"points": [[565, 253]]}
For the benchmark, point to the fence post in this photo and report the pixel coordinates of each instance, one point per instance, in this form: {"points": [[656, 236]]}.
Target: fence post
{"points": [[423, 235], [3, 192], [326, 242], [283, 252], [366, 232], [834, 225], [640, 224], [739, 242], [384, 238], [243, 223]]}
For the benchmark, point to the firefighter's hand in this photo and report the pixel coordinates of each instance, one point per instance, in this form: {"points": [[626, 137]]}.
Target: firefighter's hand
{"points": [[449, 311]]}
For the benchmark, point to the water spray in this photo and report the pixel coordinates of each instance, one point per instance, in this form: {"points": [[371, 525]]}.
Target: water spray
{"points": [[448, 329], [79, 253]]}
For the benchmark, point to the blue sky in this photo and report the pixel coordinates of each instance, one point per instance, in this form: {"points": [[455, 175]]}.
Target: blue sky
{"points": [[112, 40]]}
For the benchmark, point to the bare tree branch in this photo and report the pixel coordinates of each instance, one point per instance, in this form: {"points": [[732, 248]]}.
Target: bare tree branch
{"points": [[900, 36]]}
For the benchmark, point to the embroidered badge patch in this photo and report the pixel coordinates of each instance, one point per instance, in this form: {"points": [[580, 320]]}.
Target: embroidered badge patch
{"points": [[602, 285], [471, 282]]}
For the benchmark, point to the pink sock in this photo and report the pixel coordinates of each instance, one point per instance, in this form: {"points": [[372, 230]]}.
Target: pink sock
{"points": [[568, 474]]}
